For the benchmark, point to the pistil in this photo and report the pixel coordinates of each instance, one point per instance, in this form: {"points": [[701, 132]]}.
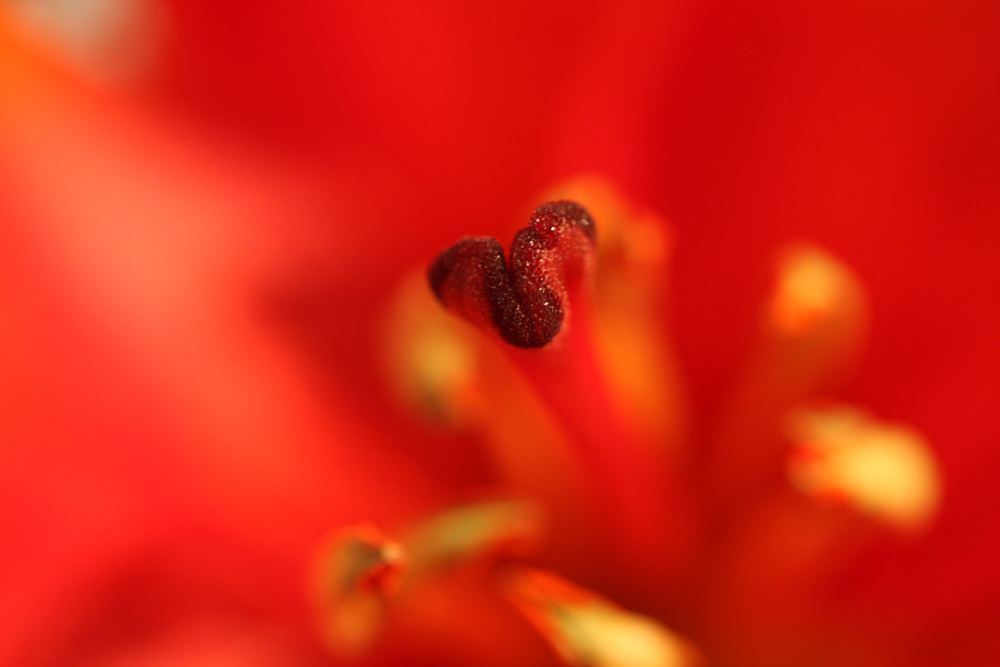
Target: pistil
{"points": [[546, 282]]}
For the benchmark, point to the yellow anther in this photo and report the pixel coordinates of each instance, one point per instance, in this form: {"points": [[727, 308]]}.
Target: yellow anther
{"points": [[589, 631], [432, 357], [811, 287], [356, 572], [883, 470], [474, 533]]}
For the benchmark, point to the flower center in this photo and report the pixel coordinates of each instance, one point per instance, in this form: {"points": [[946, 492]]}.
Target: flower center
{"points": [[560, 365]]}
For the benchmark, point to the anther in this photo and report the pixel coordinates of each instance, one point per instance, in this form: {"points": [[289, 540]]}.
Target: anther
{"points": [[885, 471], [587, 630], [476, 533], [356, 574]]}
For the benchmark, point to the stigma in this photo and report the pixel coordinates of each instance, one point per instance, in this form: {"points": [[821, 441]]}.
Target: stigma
{"points": [[523, 298]]}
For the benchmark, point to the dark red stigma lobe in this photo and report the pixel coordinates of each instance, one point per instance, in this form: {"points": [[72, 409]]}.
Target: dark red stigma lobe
{"points": [[524, 299]]}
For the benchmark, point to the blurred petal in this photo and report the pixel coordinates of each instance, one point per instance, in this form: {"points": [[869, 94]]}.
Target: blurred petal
{"points": [[144, 396]]}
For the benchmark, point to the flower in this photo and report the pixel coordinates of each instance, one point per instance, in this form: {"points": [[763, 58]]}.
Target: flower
{"points": [[181, 431]]}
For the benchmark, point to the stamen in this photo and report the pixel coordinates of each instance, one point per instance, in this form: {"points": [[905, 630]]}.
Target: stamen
{"points": [[526, 299], [357, 571], [813, 327], [476, 534], [780, 554], [587, 630], [882, 470]]}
